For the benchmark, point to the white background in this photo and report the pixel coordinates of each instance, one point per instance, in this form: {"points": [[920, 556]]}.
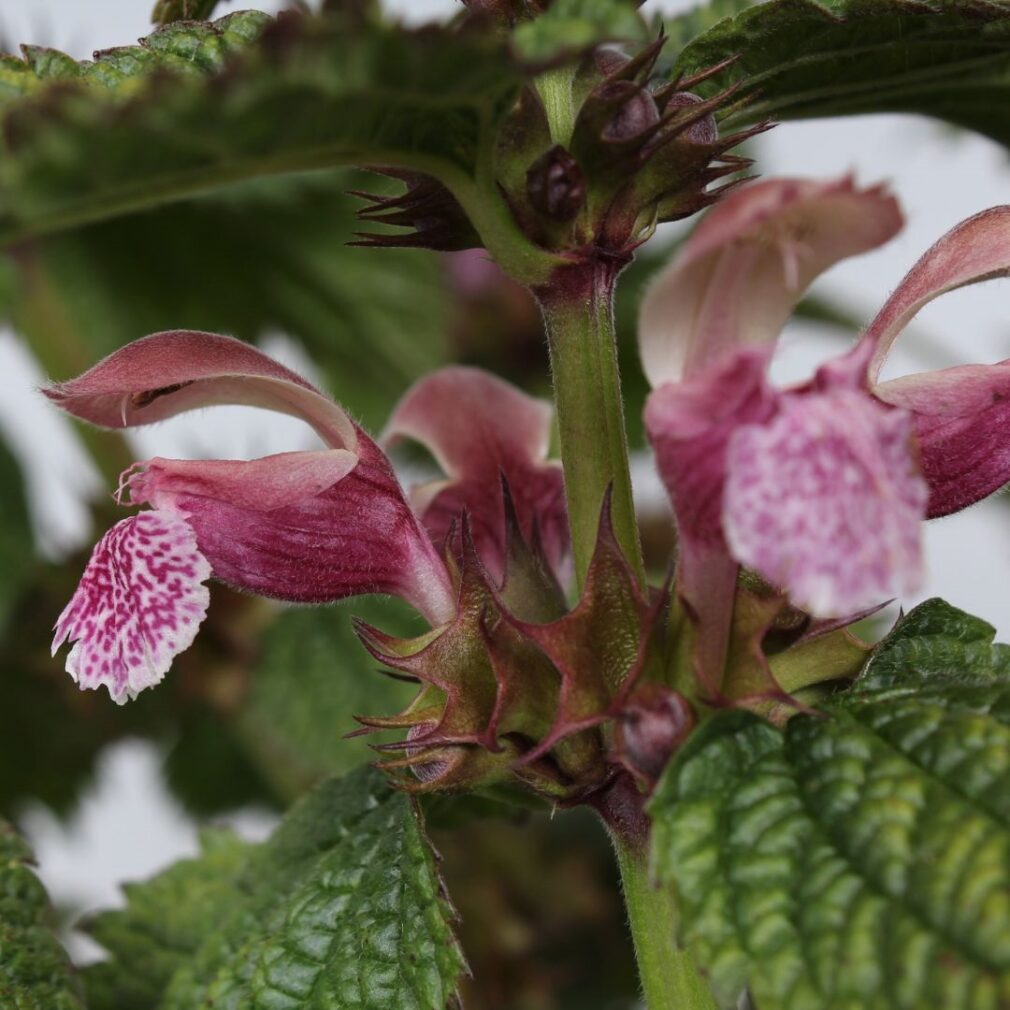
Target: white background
{"points": [[127, 827]]}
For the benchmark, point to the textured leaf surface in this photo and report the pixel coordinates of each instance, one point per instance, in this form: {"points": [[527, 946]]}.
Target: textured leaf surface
{"points": [[35, 973], [935, 640], [264, 256], [163, 924], [313, 92], [342, 907], [857, 859], [799, 58], [570, 25], [312, 678]]}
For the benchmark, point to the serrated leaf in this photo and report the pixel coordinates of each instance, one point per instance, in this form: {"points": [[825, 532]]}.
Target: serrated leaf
{"points": [[799, 59], [342, 907], [164, 922], [858, 858], [935, 639], [263, 256], [35, 973], [311, 679], [314, 92], [190, 48], [572, 25]]}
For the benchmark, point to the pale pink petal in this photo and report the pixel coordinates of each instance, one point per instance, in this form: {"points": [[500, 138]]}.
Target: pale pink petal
{"points": [[826, 501], [975, 250], [138, 605], [269, 482], [962, 427], [480, 429], [353, 536], [738, 277], [689, 425], [166, 373]]}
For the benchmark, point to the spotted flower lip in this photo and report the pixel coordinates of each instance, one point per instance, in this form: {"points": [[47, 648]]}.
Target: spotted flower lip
{"points": [[307, 527], [819, 488]]}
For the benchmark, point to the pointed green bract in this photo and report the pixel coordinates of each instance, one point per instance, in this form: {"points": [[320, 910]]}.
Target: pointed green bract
{"points": [[859, 857], [35, 973], [799, 59], [341, 907]]}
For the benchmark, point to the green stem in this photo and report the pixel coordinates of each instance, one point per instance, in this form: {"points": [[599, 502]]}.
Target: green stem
{"points": [[578, 311], [668, 976], [555, 88]]}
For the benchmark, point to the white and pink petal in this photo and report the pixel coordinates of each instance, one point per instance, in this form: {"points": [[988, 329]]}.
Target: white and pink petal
{"points": [[481, 429], [826, 501], [166, 373], [139, 604], [738, 277], [975, 250]]}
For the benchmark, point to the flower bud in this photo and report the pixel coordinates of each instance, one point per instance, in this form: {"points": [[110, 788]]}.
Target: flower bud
{"points": [[653, 724], [555, 185]]}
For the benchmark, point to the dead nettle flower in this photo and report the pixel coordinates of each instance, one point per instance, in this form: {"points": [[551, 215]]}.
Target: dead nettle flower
{"points": [[820, 489], [300, 526]]}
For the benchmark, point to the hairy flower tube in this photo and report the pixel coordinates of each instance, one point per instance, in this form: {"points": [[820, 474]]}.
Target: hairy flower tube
{"points": [[820, 489], [302, 526]]}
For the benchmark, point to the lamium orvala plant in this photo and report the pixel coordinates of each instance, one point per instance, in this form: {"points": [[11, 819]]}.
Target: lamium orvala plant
{"points": [[800, 818]]}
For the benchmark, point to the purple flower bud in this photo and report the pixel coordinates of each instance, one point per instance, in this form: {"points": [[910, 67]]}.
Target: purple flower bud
{"points": [[652, 725], [555, 185]]}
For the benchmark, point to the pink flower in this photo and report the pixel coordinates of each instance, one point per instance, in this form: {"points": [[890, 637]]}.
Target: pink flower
{"points": [[820, 489], [301, 526]]}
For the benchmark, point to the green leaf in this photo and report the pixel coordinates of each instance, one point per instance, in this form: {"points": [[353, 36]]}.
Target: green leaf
{"points": [[17, 553], [263, 256], [341, 907], [190, 49], [314, 92], [35, 973], [312, 678], [858, 858], [163, 924], [935, 640], [572, 25], [799, 59]]}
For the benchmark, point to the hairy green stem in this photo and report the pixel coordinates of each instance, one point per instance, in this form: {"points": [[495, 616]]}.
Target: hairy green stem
{"points": [[578, 311], [555, 89], [668, 976]]}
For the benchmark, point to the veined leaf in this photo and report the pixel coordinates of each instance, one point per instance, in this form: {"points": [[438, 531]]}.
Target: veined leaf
{"points": [[341, 907], [859, 858], [800, 59], [311, 93], [265, 255], [311, 679], [163, 924], [35, 973], [572, 25], [934, 640]]}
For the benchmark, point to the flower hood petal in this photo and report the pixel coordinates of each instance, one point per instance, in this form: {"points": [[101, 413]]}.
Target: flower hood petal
{"points": [[975, 250], [167, 373], [738, 277], [480, 429]]}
